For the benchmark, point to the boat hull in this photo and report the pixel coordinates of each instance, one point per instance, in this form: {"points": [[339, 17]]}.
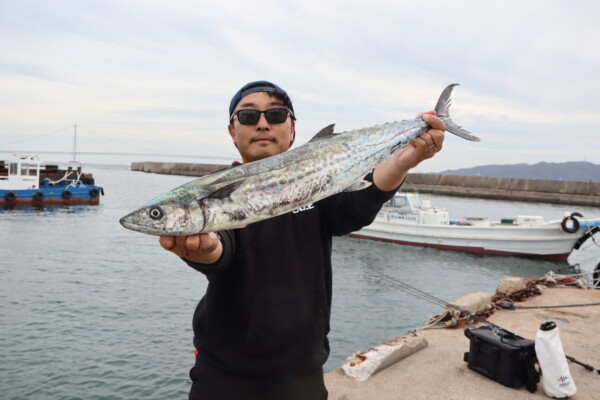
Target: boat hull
{"points": [[547, 241], [61, 194]]}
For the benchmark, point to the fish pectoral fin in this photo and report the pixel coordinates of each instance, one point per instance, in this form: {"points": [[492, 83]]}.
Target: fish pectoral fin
{"points": [[225, 191], [324, 133], [358, 186]]}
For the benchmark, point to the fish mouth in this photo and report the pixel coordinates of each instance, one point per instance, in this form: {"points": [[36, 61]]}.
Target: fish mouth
{"points": [[127, 223]]}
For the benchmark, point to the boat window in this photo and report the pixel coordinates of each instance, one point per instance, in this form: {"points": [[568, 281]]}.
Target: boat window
{"points": [[33, 169], [400, 202], [13, 169], [28, 170]]}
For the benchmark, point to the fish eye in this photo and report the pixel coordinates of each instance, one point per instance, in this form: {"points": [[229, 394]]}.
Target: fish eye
{"points": [[155, 212]]}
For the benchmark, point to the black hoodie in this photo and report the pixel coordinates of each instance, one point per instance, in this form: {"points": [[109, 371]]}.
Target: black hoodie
{"points": [[266, 309]]}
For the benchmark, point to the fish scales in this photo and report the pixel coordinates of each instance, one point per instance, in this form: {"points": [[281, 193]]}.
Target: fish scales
{"points": [[330, 163]]}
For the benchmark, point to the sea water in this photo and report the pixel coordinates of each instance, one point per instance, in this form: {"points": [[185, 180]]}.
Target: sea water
{"points": [[90, 310]]}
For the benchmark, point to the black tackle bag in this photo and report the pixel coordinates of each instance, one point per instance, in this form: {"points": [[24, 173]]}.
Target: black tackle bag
{"points": [[502, 356]]}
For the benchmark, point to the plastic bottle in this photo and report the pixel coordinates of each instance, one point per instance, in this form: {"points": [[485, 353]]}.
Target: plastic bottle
{"points": [[556, 378]]}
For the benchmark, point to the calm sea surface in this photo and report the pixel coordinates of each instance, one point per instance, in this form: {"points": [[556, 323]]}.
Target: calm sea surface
{"points": [[90, 310]]}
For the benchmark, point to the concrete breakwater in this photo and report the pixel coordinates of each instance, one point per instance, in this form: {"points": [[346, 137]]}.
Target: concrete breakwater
{"points": [[558, 192], [546, 191]]}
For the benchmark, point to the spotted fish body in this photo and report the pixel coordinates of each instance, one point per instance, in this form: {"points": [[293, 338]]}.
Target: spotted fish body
{"points": [[233, 198]]}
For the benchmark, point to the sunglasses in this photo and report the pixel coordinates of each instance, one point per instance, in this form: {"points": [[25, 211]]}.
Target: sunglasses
{"points": [[273, 116]]}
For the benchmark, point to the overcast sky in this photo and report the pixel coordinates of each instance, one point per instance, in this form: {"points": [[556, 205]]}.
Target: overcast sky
{"points": [[157, 76]]}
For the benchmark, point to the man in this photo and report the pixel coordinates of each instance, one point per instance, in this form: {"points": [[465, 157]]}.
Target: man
{"points": [[260, 331]]}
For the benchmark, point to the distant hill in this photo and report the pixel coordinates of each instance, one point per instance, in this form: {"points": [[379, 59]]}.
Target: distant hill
{"points": [[578, 171]]}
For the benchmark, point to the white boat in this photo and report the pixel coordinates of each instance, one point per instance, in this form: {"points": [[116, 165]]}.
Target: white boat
{"points": [[407, 220]]}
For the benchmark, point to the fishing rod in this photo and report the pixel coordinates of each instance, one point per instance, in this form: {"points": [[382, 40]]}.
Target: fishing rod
{"points": [[437, 301], [586, 366]]}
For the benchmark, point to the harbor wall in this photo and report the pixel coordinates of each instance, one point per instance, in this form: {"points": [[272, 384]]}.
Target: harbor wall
{"points": [[546, 191]]}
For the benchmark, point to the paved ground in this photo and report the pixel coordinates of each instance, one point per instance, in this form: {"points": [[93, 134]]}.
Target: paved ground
{"points": [[439, 372]]}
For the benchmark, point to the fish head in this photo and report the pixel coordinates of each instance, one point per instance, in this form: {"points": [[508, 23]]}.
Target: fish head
{"points": [[165, 219]]}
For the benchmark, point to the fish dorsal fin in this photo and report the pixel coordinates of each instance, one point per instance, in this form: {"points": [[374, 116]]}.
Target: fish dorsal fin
{"points": [[324, 133], [225, 191]]}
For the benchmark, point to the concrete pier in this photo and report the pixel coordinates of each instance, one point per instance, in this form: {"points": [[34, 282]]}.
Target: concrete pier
{"points": [[558, 192], [440, 372]]}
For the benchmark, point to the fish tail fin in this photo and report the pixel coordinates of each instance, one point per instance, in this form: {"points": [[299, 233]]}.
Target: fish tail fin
{"points": [[442, 110]]}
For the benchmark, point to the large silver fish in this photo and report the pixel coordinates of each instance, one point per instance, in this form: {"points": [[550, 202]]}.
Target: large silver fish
{"points": [[330, 163]]}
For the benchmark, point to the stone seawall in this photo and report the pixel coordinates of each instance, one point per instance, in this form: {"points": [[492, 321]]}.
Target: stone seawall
{"points": [[559, 192]]}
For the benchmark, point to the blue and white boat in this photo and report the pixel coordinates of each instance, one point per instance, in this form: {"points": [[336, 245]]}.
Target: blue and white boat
{"points": [[23, 180]]}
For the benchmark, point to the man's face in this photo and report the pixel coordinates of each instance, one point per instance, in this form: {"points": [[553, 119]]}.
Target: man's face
{"points": [[255, 142]]}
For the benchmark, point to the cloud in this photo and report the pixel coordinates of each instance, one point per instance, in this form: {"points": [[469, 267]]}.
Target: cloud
{"points": [[162, 73]]}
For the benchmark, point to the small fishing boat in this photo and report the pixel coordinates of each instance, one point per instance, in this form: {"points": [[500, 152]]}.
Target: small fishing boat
{"points": [[24, 180], [407, 220]]}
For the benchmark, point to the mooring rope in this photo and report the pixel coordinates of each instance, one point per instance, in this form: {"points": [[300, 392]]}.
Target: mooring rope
{"points": [[61, 179]]}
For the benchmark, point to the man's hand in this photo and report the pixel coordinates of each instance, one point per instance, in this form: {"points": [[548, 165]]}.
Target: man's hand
{"points": [[389, 174], [424, 146], [203, 248]]}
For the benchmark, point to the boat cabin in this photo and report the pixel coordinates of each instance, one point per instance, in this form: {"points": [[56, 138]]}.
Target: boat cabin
{"points": [[408, 208], [23, 173], [404, 202]]}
